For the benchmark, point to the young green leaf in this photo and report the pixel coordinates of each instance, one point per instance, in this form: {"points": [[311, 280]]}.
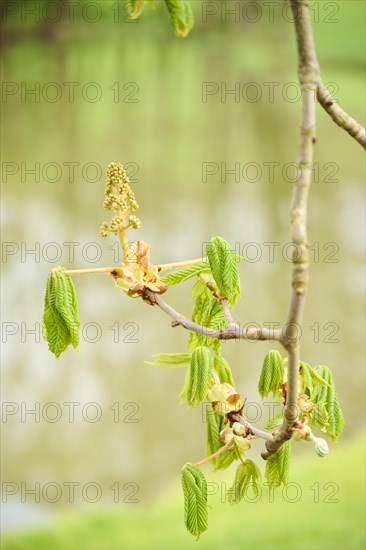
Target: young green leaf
{"points": [[61, 318], [195, 500], [327, 396], [176, 277], [224, 268], [278, 466], [319, 417], [223, 370], [170, 360], [247, 475], [214, 425], [272, 374], [181, 16], [310, 378], [236, 451], [207, 312], [200, 375], [223, 461], [198, 289]]}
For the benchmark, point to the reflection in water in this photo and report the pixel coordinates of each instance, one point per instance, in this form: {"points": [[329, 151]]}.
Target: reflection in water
{"points": [[168, 135]]}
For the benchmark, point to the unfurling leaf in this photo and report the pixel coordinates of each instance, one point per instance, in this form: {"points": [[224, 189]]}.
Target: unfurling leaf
{"points": [[328, 397], [224, 268], [214, 425], [170, 360], [176, 277], [319, 417], [223, 461], [208, 313], [247, 475], [310, 378], [235, 452], [195, 500], [278, 466], [223, 370], [61, 318], [200, 375], [181, 16], [272, 374]]}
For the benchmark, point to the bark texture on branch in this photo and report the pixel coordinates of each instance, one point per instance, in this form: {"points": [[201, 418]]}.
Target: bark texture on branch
{"points": [[308, 77]]}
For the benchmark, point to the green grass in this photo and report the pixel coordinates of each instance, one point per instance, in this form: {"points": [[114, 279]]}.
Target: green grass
{"points": [[279, 524]]}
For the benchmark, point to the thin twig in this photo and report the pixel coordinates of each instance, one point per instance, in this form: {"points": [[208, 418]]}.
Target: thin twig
{"points": [[91, 270], [340, 117], [255, 431], [175, 265], [225, 306], [214, 455], [230, 332]]}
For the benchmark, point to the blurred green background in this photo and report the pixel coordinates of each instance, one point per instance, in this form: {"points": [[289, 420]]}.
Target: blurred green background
{"points": [[149, 111]]}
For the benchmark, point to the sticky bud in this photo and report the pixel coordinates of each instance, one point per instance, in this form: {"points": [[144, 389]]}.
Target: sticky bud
{"points": [[238, 428], [226, 435], [321, 446]]}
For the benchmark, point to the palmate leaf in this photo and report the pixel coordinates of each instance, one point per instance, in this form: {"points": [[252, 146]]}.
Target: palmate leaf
{"points": [[170, 360], [60, 319], [195, 499], [181, 16], [214, 425], [176, 277], [224, 268], [278, 466], [247, 475], [200, 375], [272, 374], [328, 397]]}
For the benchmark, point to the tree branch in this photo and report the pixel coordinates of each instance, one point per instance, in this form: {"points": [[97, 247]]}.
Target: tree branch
{"points": [[225, 306], [311, 86], [308, 76], [340, 117], [230, 332]]}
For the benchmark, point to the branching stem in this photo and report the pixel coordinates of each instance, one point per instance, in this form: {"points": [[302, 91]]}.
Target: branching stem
{"points": [[230, 332], [255, 431]]}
